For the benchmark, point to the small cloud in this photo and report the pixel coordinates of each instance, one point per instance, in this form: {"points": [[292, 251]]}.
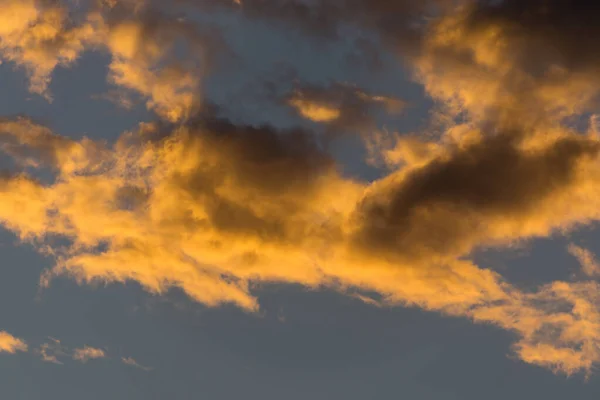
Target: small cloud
{"points": [[314, 111], [132, 362], [11, 344], [51, 351], [589, 264], [342, 106], [88, 353]]}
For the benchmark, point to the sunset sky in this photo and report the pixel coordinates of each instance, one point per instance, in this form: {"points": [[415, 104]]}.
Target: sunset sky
{"points": [[299, 199]]}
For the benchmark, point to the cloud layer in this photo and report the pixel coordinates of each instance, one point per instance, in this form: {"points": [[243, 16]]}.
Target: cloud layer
{"points": [[217, 208]]}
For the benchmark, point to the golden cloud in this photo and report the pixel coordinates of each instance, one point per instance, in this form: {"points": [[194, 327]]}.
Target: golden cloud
{"points": [[494, 61], [314, 111], [11, 344], [215, 208], [40, 36], [341, 106]]}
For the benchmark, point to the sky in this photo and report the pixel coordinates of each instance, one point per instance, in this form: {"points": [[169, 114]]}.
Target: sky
{"points": [[291, 199]]}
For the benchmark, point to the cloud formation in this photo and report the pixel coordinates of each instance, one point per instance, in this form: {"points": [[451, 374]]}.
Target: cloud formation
{"points": [[217, 208], [52, 351], [589, 264], [87, 353], [40, 36], [132, 362], [341, 107], [10, 344]]}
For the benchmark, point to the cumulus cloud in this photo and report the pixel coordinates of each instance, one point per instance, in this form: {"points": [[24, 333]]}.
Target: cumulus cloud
{"points": [[11, 344], [495, 59], [489, 192]]}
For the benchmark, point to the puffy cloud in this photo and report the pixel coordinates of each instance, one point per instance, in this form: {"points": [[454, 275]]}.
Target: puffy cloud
{"points": [[39, 36], [142, 46], [11, 344], [87, 353], [494, 60], [490, 192]]}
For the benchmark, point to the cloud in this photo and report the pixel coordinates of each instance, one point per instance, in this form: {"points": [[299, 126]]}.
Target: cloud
{"points": [[490, 192], [495, 59], [41, 36], [87, 353], [132, 362], [342, 107], [589, 264], [55, 352], [216, 208], [51, 351], [10, 344], [38, 36]]}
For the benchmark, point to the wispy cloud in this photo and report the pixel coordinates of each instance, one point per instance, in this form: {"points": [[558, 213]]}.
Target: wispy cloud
{"points": [[587, 259], [52, 351], [132, 362]]}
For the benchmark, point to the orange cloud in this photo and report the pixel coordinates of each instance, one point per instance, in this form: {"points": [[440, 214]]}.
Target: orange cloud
{"points": [[341, 106], [214, 208], [527, 58], [589, 264], [40, 37], [11, 344], [315, 112]]}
